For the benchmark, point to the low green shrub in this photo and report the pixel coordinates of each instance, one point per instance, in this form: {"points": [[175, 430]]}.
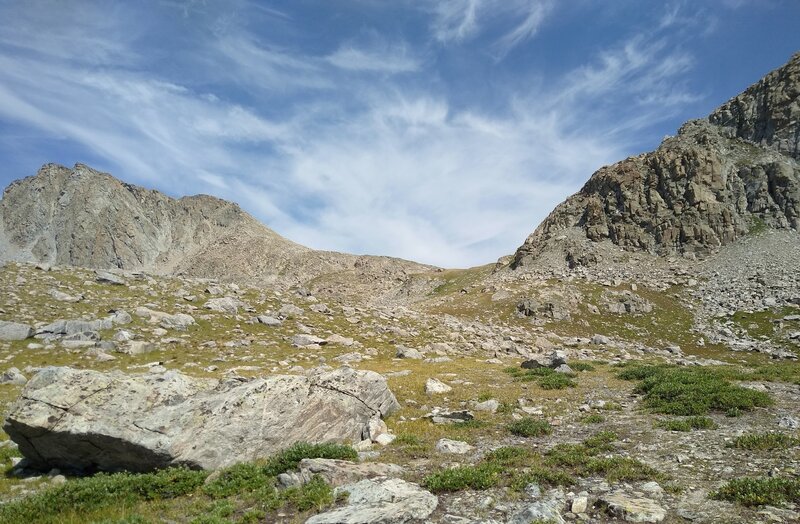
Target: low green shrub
{"points": [[765, 441], [673, 390], [543, 476], [100, 491], [314, 494], [761, 491], [556, 381], [239, 478], [481, 476], [530, 427], [594, 418], [518, 466], [601, 441], [289, 458], [545, 377], [686, 424]]}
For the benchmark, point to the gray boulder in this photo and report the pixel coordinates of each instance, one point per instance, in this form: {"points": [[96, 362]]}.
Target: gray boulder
{"points": [[104, 277], [406, 352], [14, 331], [73, 327], [268, 320], [227, 305], [13, 376], [386, 501], [631, 508], [84, 420], [303, 340], [554, 360], [338, 472]]}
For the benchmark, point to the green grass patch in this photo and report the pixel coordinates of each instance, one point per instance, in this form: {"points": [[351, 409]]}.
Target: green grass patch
{"points": [[100, 491], [582, 366], [530, 427], [556, 381], [765, 441], [786, 371], [760, 491], [481, 476], [686, 424], [673, 390], [251, 484], [545, 377], [289, 458], [516, 467], [584, 460], [594, 418]]}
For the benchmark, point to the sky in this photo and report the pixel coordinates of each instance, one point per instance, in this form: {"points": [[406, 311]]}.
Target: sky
{"points": [[441, 131]]}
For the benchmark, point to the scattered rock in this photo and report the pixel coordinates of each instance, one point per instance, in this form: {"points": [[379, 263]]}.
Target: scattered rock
{"points": [[104, 277], [546, 510], [490, 405], [15, 331], [228, 305], [289, 311], [338, 472], [630, 508], [13, 376], [268, 320], [406, 352], [455, 447], [388, 501], [450, 417], [625, 302], [555, 359], [64, 297], [137, 347], [339, 340], [435, 386], [304, 340]]}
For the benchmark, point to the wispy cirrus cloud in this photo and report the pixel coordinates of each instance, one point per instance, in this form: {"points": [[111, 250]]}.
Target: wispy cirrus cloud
{"points": [[381, 59], [515, 21], [362, 143]]}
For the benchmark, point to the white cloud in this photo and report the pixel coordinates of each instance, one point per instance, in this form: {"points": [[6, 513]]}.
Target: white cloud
{"points": [[455, 20], [537, 12], [459, 20], [391, 167], [392, 59]]}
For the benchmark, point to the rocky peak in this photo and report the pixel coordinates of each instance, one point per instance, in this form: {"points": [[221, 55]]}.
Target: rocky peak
{"points": [[768, 112], [716, 181], [82, 217]]}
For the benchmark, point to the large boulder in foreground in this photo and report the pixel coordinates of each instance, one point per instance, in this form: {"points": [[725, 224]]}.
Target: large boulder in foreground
{"points": [[87, 420]]}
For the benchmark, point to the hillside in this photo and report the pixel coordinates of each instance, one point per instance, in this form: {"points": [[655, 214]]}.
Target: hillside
{"points": [[81, 217], [717, 180]]}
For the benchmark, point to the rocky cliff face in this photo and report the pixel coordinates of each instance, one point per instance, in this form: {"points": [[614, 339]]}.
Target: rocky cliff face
{"points": [[82, 217], [716, 181]]}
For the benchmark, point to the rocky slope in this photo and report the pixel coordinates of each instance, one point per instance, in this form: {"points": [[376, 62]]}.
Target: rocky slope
{"points": [[81, 217], [715, 182]]}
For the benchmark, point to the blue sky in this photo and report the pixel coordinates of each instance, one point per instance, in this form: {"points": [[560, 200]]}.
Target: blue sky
{"points": [[440, 131]]}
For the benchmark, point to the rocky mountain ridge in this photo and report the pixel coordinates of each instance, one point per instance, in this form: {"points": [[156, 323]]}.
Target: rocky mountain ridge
{"points": [[81, 217], [715, 182]]}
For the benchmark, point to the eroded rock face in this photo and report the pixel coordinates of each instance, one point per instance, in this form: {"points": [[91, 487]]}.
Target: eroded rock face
{"points": [[712, 184], [87, 420], [768, 112]]}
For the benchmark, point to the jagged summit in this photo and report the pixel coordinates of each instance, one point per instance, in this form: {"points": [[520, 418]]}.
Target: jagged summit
{"points": [[82, 217], [713, 183]]}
